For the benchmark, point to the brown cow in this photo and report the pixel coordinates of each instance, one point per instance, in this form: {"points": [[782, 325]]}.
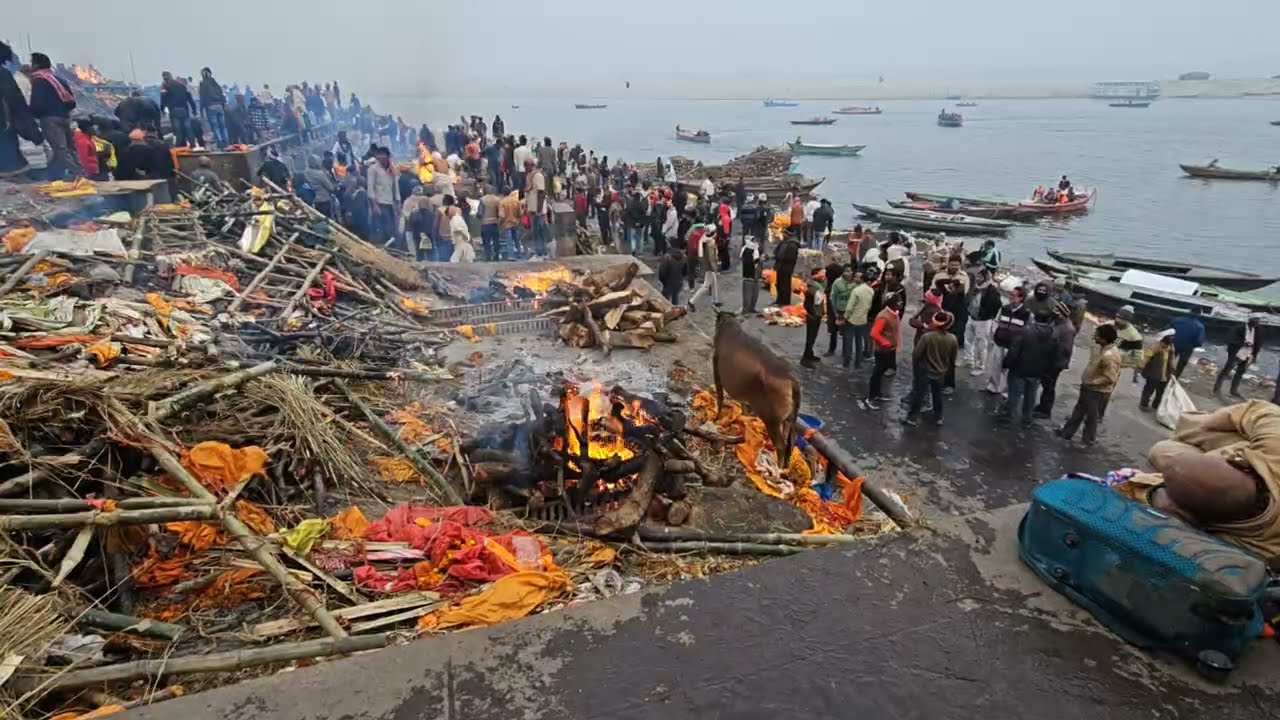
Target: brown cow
{"points": [[753, 375]]}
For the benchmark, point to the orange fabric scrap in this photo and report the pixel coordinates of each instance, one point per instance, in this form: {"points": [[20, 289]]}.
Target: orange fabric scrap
{"points": [[412, 429], [350, 524], [396, 469], [255, 517], [103, 711], [231, 588], [828, 517], [46, 342], [510, 597], [154, 572], [104, 352], [602, 556], [16, 239], [219, 467], [196, 534], [414, 305], [208, 272], [162, 307]]}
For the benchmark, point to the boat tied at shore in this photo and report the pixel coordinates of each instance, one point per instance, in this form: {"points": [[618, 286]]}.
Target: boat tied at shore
{"points": [[1191, 272], [938, 222], [1253, 301], [802, 148]]}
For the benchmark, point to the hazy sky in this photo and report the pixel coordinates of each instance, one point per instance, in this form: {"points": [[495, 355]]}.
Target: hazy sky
{"points": [[746, 48]]}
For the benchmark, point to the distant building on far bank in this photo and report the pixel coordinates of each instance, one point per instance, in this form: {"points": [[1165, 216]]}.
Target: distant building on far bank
{"points": [[1124, 90]]}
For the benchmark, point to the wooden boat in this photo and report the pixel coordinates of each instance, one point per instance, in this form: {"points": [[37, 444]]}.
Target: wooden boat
{"points": [[1131, 104], [855, 110], [953, 97], [780, 103], [1157, 308], [1080, 204], [1206, 275], [938, 222], [1275, 122], [990, 212], [946, 119], [938, 198], [1208, 171], [586, 106], [815, 121], [775, 186], [696, 136], [966, 104], [802, 148], [1249, 300]]}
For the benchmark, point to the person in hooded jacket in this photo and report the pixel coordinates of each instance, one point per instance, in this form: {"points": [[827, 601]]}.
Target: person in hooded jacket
{"points": [[784, 264], [749, 256], [1032, 354], [1064, 333], [671, 273]]}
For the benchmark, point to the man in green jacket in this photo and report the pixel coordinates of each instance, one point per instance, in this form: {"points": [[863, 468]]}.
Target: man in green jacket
{"points": [[933, 357], [839, 285], [855, 319]]}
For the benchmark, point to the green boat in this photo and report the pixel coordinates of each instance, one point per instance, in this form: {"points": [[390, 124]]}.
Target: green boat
{"points": [[802, 148], [1249, 300], [938, 198]]}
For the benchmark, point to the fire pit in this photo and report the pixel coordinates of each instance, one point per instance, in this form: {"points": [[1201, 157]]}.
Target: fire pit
{"points": [[601, 457]]}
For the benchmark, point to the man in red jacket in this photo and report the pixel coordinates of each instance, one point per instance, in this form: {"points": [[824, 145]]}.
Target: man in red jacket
{"points": [[884, 336], [86, 151]]}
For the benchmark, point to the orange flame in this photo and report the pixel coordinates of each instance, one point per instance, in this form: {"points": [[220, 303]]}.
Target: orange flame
{"points": [[605, 438], [539, 282], [88, 74]]}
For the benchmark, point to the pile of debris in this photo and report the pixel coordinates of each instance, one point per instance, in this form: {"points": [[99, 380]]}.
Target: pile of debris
{"points": [[232, 395]]}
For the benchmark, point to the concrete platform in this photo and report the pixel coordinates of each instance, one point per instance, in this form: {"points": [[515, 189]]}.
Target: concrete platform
{"points": [[942, 622]]}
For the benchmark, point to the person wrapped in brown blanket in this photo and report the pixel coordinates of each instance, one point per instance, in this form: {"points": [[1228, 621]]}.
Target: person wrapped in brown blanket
{"points": [[1221, 473]]}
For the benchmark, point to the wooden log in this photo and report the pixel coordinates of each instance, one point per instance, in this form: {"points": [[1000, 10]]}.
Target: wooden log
{"points": [[640, 317], [93, 617], [612, 279], [678, 513], [306, 285], [135, 248], [262, 276], [602, 304], [17, 275], [709, 476], [637, 339], [493, 473], [598, 337], [679, 466], [631, 511], [106, 519], [574, 334], [712, 436], [444, 489], [722, 548], [197, 664], [843, 461]]}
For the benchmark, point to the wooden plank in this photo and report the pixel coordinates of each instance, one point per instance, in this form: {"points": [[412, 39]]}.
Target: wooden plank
{"points": [[262, 276], [407, 601], [413, 614]]}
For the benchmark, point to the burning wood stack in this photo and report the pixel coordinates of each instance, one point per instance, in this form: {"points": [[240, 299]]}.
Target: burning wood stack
{"points": [[604, 459], [604, 311]]}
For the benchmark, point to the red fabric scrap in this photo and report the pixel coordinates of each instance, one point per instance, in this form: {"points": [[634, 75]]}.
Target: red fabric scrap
{"points": [[400, 524], [328, 294], [209, 272]]}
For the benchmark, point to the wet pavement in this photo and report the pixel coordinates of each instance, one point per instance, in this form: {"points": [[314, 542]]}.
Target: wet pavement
{"points": [[940, 622]]}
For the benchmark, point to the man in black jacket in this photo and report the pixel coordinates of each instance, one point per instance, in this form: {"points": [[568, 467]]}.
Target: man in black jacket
{"points": [[176, 98], [1242, 351], [1064, 334], [784, 264], [213, 103], [1008, 324], [984, 306], [823, 220], [51, 104], [1032, 354]]}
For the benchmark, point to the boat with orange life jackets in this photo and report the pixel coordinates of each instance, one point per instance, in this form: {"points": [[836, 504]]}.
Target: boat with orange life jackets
{"points": [[1054, 201]]}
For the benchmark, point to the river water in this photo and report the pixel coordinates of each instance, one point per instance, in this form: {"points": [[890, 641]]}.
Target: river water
{"points": [[1145, 205]]}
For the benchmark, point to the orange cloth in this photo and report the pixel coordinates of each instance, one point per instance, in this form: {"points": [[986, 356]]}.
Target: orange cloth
{"points": [[219, 467], [396, 469], [104, 352], [196, 534], [16, 239], [350, 524], [233, 587], [255, 517], [510, 597], [103, 711], [163, 308], [208, 272], [46, 342], [828, 517]]}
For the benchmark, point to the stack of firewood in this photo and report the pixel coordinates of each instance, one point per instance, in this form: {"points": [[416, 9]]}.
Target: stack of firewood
{"points": [[604, 311]]}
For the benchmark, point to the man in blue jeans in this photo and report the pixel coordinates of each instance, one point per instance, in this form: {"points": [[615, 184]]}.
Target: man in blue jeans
{"points": [[535, 199], [214, 103], [176, 98], [1033, 354]]}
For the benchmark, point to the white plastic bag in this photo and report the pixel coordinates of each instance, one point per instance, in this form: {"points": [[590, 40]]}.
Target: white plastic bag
{"points": [[1173, 404]]}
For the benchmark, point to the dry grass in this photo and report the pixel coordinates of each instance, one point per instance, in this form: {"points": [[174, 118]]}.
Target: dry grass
{"points": [[28, 625]]}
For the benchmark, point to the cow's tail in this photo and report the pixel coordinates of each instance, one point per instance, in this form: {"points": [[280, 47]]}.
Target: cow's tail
{"points": [[790, 426]]}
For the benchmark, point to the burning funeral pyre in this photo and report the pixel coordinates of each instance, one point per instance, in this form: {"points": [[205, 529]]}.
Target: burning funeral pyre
{"points": [[603, 458]]}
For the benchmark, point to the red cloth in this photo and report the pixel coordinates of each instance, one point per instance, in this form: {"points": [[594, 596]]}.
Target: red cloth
{"points": [[726, 221], [400, 524], [328, 294], [580, 204], [86, 151], [46, 74], [694, 241]]}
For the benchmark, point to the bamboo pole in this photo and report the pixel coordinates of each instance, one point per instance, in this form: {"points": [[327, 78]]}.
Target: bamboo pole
{"points": [[662, 534], [161, 409], [306, 284], [22, 271], [262, 276], [722, 548], [24, 506], [194, 664], [98, 518], [844, 463], [418, 462], [261, 550], [115, 621]]}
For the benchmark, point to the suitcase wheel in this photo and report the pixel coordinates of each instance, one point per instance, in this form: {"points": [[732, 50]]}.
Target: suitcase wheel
{"points": [[1214, 665]]}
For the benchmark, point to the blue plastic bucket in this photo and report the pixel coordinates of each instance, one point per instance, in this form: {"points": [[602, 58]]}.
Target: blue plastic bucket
{"points": [[806, 422]]}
